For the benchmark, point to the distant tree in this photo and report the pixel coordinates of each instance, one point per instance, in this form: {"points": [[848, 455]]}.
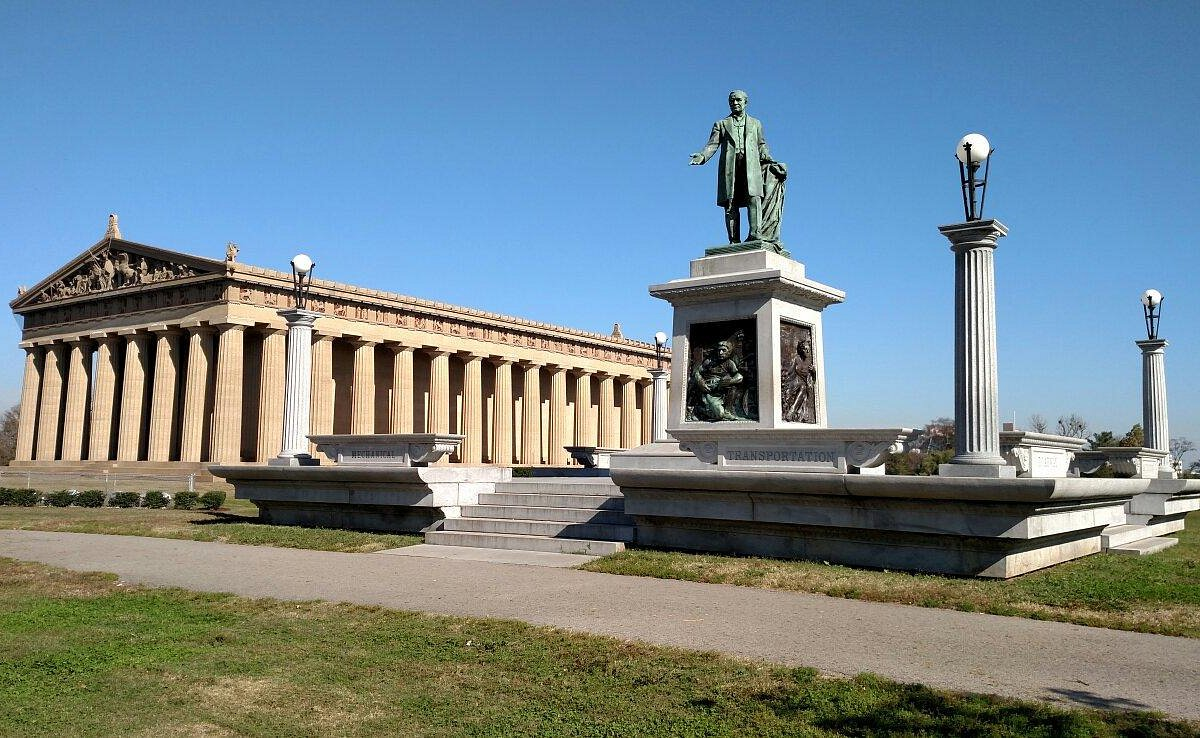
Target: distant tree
{"points": [[1072, 425], [1193, 470], [934, 446], [1037, 423], [8, 434], [1100, 439], [1180, 447], [938, 435], [1135, 438]]}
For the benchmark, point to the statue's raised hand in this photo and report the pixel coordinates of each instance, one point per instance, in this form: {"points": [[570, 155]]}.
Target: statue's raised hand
{"points": [[697, 159]]}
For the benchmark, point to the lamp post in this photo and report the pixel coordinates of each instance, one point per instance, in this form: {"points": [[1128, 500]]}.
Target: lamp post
{"points": [[658, 421], [972, 151], [1154, 383], [976, 386], [298, 381]]}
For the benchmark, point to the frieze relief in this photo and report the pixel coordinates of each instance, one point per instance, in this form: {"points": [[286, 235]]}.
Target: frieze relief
{"points": [[111, 269], [123, 305]]}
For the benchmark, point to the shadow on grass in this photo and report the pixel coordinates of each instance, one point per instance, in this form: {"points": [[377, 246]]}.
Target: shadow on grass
{"points": [[216, 516], [1084, 698]]}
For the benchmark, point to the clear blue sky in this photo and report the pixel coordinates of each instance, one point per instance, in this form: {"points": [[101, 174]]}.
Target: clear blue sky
{"points": [[531, 159]]}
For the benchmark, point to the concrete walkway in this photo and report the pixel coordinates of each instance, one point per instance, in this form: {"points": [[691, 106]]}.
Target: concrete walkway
{"points": [[953, 650]]}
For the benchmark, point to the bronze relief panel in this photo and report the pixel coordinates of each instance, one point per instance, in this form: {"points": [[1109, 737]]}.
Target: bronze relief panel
{"points": [[722, 372], [798, 373]]}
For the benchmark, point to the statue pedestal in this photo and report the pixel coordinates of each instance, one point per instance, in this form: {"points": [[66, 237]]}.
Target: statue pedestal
{"points": [[738, 320]]}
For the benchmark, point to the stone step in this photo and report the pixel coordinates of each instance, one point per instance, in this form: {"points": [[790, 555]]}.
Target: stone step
{"points": [[559, 514], [1120, 535], [560, 486], [514, 542], [548, 528], [1144, 547], [585, 502]]}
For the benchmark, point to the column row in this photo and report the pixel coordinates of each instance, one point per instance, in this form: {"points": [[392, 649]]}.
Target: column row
{"points": [[200, 393]]}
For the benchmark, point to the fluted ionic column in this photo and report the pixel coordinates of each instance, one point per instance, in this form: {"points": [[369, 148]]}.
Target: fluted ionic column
{"points": [[531, 414], [226, 447], [439, 391], [133, 396], [274, 377], [362, 406], [297, 394], [631, 429], [472, 430], [79, 369], [585, 424], [402, 390], [608, 437], [31, 386], [976, 387], [320, 407], [1154, 399], [658, 423], [196, 393], [502, 432], [557, 453], [163, 396], [50, 407], [647, 411]]}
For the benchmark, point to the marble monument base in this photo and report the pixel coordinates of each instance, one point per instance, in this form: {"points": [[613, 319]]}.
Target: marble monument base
{"points": [[398, 499], [996, 528]]}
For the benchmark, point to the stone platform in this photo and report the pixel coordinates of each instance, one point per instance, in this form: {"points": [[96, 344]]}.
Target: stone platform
{"points": [[385, 498], [996, 528]]}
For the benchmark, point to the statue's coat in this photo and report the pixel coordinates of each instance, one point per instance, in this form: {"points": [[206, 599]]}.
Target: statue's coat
{"points": [[722, 138]]}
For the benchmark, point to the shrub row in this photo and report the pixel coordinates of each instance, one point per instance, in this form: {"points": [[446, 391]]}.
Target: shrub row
{"points": [[17, 497]]}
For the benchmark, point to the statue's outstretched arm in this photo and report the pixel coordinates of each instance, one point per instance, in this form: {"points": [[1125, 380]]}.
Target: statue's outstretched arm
{"points": [[710, 148]]}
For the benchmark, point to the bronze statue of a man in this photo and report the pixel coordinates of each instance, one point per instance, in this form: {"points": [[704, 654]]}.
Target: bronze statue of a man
{"points": [[744, 156]]}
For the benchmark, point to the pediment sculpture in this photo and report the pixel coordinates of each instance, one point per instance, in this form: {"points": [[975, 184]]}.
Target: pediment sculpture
{"points": [[110, 269]]}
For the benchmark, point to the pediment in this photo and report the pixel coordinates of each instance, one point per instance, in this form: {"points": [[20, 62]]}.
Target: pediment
{"points": [[114, 264]]}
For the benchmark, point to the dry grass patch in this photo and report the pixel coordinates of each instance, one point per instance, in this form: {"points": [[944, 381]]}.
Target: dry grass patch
{"points": [[198, 525]]}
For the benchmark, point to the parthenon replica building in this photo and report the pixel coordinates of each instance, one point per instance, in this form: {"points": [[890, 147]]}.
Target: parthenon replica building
{"points": [[137, 357]]}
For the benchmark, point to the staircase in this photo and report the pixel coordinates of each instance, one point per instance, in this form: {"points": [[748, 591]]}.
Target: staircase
{"points": [[577, 515]]}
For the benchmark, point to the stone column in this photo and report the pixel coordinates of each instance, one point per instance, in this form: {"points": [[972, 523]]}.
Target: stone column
{"points": [[320, 408], [658, 401], [402, 390], [502, 433], [295, 421], [557, 455], [472, 446], [31, 386], [608, 411], [531, 414], [226, 447], [630, 427], [133, 396], [362, 408], [976, 393], [51, 402], [1154, 401], [585, 426], [79, 367], [162, 399], [274, 381], [195, 393], [439, 390]]}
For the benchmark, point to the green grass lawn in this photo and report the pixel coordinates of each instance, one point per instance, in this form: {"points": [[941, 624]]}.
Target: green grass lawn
{"points": [[83, 655], [238, 523], [1152, 594]]}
